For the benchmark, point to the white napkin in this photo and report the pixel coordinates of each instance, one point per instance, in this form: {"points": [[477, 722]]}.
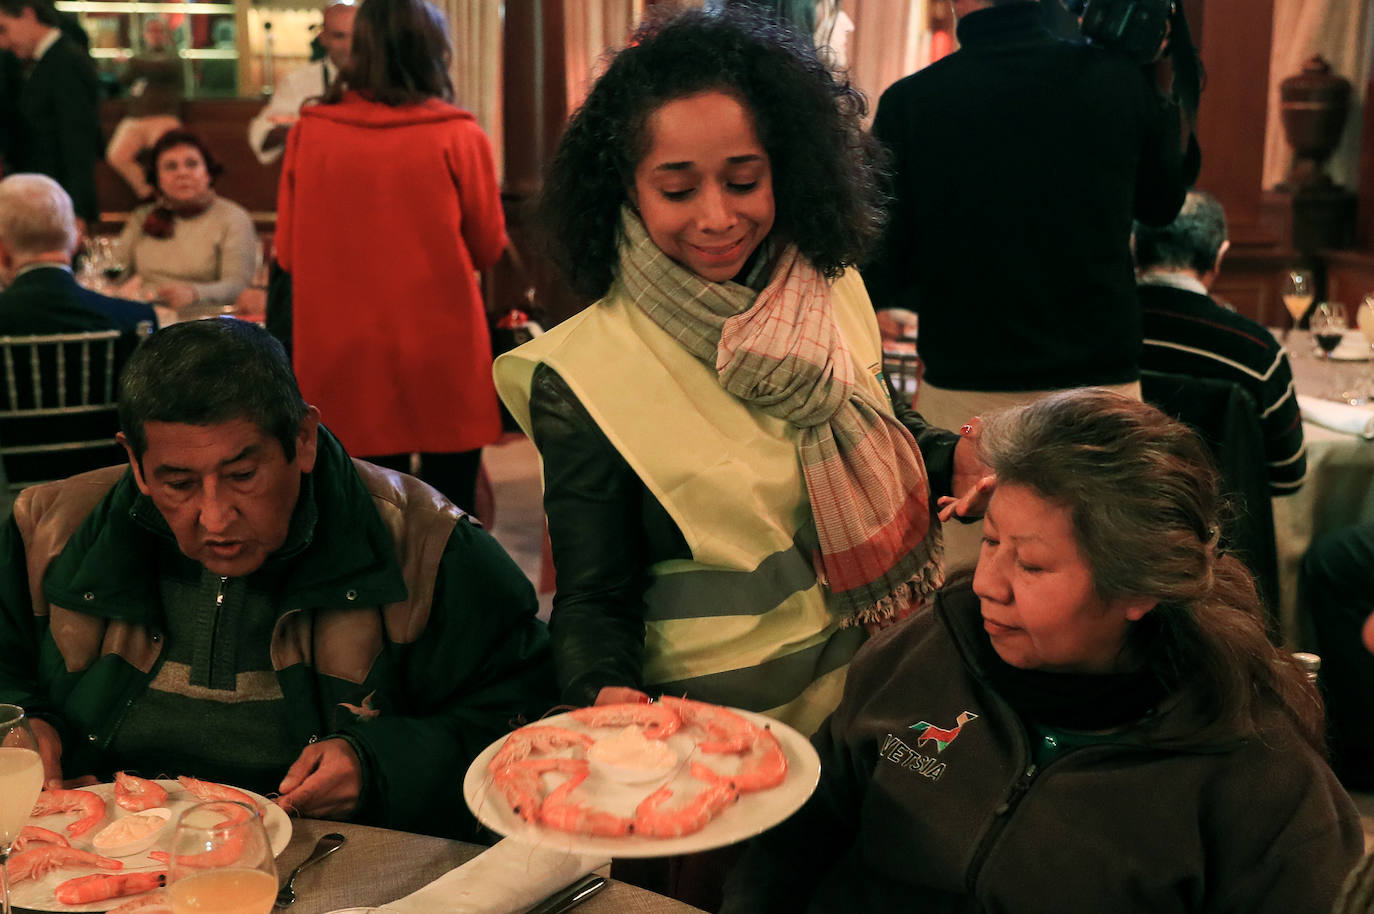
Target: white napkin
{"points": [[1342, 417], [507, 878]]}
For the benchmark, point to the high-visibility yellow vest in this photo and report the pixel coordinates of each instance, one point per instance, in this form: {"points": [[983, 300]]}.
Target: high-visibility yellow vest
{"points": [[744, 622]]}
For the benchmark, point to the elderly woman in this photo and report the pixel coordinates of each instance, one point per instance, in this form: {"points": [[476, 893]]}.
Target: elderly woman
{"points": [[1097, 724], [731, 495], [192, 251]]}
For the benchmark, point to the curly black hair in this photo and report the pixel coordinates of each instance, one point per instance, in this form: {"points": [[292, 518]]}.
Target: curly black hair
{"points": [[827, 196]]}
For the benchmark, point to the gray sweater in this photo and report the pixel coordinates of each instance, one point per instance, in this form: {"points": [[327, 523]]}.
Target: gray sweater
{"points": [[215, 252]]}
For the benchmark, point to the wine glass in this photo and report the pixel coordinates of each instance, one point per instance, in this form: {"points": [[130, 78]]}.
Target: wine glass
{"points": [[21, 779], [1299, 291], [221, 861], [1328, 325], [1364, 319]]}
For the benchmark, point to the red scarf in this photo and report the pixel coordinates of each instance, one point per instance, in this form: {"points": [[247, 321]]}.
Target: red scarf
{"points": [[160, 222]]}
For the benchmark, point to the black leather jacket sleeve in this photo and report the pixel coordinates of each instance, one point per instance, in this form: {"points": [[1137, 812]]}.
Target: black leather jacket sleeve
{"points": [[607, 530]]}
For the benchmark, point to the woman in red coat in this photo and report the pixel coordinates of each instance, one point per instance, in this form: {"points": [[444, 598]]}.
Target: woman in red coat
{"points": [[388, 206]]}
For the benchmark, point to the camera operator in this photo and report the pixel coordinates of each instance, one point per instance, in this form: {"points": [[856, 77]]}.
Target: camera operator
{"points": [[1018, 164]]}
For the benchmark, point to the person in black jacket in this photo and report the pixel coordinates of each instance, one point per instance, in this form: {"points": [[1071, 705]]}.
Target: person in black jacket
{"points": [[1018, 163], [57, 102], [1098, 724], [37, 238]]}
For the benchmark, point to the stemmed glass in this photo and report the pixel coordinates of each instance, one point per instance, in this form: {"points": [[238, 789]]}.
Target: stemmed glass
{"points": [[1299, 291], [21, 780], [1328, 326], [221, 862]]}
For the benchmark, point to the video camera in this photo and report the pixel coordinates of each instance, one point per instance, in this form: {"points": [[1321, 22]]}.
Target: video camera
{"points": [[1134, 27]]}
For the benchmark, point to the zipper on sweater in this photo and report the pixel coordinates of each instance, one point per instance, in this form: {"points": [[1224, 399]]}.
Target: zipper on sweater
{"points": [[214, 628], [1001, 815]]}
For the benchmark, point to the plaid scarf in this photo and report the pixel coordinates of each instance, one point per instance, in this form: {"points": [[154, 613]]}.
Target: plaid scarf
{"points": [[780, 352]]}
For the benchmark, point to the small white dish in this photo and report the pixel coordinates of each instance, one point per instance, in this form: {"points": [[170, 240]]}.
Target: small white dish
{"points": [[106, 842], [630, 758]]}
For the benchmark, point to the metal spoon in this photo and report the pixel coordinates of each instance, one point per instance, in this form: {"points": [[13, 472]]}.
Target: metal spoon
{"points": [[327, 845]]}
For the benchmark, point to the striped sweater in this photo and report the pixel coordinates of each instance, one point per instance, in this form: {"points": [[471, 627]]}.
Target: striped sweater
{"points": [[1188, 333]]}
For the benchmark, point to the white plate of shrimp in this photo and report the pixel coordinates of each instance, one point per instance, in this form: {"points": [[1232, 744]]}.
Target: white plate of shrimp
{"points": [[735, 774], [82, 819]]}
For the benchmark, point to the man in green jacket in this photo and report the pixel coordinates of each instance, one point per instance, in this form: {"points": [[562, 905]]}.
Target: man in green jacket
{"points": [[244, 603]]}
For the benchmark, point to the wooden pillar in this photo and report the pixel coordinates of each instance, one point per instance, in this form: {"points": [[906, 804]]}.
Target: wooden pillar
{"points": [[534, 100], [1234, 38]]}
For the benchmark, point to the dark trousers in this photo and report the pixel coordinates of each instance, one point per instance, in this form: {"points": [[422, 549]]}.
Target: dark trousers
{"points": [[1338, 592], [455, 475]]}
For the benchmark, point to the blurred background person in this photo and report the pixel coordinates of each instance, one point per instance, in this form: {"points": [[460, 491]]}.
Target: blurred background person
{"points": [[267, 132], [1017, 258], [1098, 723], [1337, 590], [191, 251], [40, 295], [390, 335], [1187, 332], [156, 81], [57, 131]]}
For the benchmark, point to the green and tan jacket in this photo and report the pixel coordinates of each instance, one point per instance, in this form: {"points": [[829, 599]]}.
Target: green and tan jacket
{"points": [[681, 529], [397, 604]]}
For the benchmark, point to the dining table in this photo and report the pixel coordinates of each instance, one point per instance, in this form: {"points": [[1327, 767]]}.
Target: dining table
{"points": [[1338, 490], [379, 865]]}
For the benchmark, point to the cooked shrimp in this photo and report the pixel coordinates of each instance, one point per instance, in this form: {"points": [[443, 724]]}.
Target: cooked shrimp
{"points": [[527, 741], [34, 834], [210, 791], [100, 886], [519, 782], [40, 861], [729, 732], [764, 766], [137, 794], [559, 811], [657, 721], [90, 806], [652, 822]]}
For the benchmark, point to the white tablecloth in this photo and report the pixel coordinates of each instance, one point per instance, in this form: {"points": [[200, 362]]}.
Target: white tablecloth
{"points": [[1339, 490]]}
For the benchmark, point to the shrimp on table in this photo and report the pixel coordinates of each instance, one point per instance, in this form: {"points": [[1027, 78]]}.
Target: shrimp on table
{"points": [[227, 851], [651, 821], [559, 811], [529, 741], [729, 732], [137, 794], [39, 861], [209, 791], [519, 782], [100, 886], [90, 806], [35, 834], [657, 721]]}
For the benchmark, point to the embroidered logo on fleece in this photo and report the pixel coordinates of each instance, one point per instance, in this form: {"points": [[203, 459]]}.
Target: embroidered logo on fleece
{"points": [[362, 712], [940, 735]]}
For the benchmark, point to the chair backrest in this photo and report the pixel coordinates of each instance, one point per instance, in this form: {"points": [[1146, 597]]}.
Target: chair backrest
{"points": [[1226, 417], [59, 403], [903, 369]]}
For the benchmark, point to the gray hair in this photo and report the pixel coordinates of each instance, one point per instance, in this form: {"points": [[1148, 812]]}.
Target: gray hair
{"points": [[36, 215], [1146, 510], [1190, 242]]}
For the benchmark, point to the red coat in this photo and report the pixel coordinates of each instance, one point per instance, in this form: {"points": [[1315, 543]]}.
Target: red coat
{"points": [[383, 216]]}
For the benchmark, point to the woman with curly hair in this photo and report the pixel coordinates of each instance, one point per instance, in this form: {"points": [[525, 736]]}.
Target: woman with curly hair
{"points": [[1098, 723], [733, 498]]}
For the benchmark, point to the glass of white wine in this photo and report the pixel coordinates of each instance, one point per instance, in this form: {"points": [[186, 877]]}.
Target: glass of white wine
{"points": [[1364, 319], [221, 862], [21, 779], [1299, 291]]}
